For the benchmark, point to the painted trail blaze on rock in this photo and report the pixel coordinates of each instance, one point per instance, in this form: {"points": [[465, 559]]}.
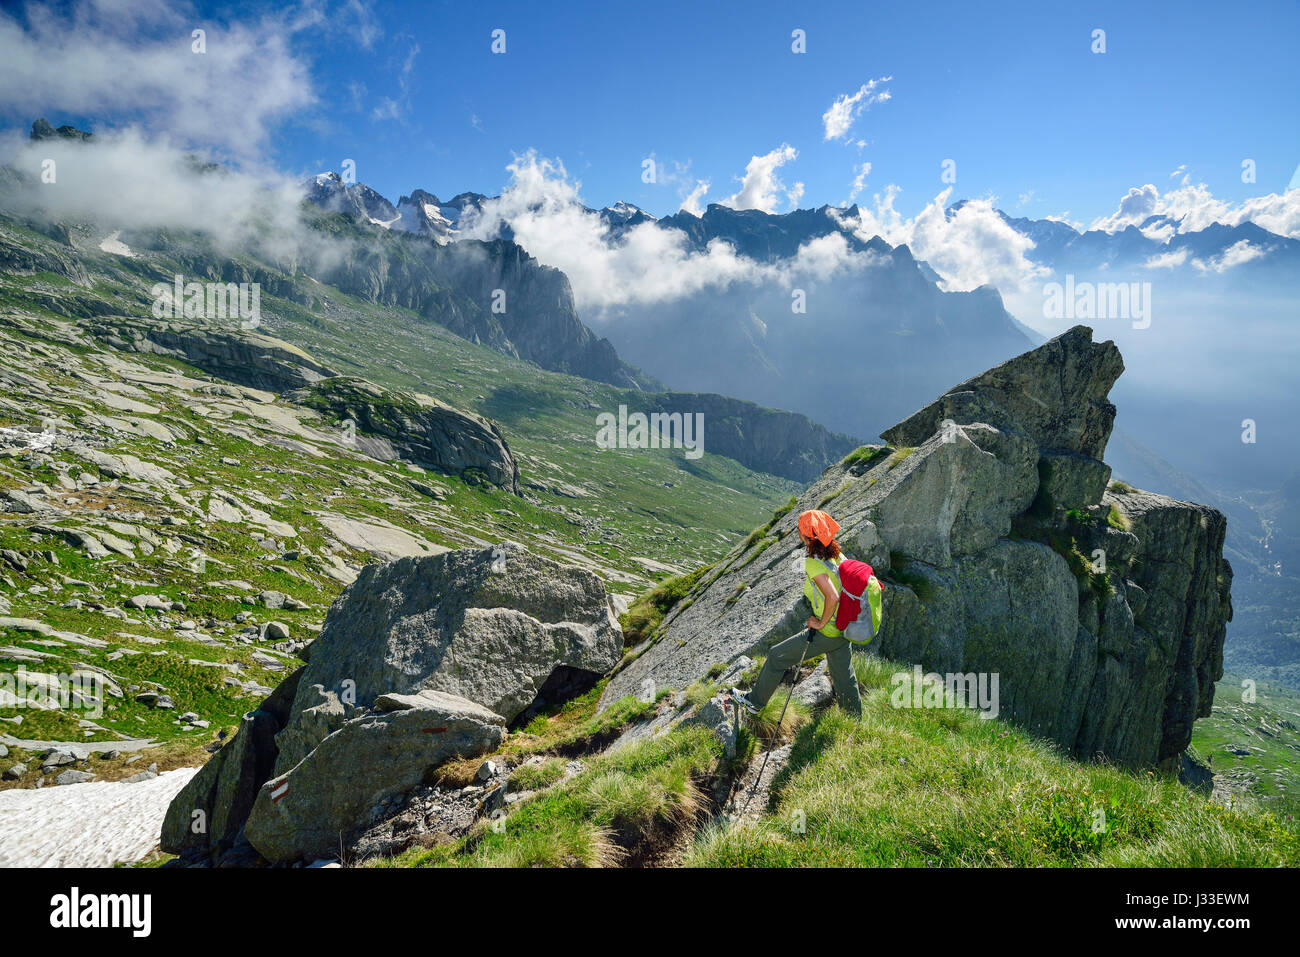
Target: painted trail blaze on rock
{"points": [[1004, 551], [325, 797]]}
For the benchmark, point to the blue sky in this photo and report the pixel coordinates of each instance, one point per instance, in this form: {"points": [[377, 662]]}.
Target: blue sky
{"points": [[1010, 91]]}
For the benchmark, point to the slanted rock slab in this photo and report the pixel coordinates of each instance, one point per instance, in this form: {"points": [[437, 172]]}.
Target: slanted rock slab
{"points": [[329, 795], [491, 625]]}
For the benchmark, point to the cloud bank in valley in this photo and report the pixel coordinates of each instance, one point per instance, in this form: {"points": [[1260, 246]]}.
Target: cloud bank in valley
{"points": [[1193, 207], [971, 247], [641, 265], [123, 180]]}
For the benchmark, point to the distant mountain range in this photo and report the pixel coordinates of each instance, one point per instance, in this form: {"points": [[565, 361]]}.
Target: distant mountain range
{"points": [[1158, 242], [874, 339], [857, 348], [1155, 244]]}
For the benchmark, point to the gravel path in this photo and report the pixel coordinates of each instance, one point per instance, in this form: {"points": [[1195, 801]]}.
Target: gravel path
{"points": [[85, 825], [757, 806]]}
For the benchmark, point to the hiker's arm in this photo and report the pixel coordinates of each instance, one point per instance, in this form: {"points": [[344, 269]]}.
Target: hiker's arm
{"points": [[823, 583]]}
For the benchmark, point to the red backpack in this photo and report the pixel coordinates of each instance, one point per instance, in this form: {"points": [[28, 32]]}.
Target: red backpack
{"points": [[854, 577], [858, 584]]}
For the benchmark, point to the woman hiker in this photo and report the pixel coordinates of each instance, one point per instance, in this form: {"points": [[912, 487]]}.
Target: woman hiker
{"points": [[817, 530]]}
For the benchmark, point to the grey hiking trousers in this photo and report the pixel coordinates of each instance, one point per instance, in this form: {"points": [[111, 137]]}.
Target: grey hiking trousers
{"points": [[785, 655]]}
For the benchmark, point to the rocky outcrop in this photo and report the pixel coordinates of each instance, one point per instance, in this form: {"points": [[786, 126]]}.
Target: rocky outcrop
{"points": [[207, 815], [492, 625], [1054, 395], [1102, 613], [237, 355], [418, 428], [327, 797], [17, 258], [419, 660], [1179, 591], [492, 293]]}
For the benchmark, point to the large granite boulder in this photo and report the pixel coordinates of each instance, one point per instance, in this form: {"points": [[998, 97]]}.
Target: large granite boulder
{"points": [[420, 660], [954, 494], [1102, 614], [419, 428], [499, 626], [1056, 396], [331, 794], [209, 811]]}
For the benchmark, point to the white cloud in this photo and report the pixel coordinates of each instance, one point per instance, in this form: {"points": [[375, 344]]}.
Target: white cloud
{"points": [[386, 110], [134, 61], [761, 187], [691, 204], [645, 264], [1169, 260], [1138, 205], [861, 173], [839, 118], [970, 248], [1239, 252], [124, 180], [394, 108], [1160, 232], [1193, 207]]}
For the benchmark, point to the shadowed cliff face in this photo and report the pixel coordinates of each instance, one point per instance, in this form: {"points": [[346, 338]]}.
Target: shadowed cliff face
{"points": [[493, 294], [1101, 610], [769, 440]]}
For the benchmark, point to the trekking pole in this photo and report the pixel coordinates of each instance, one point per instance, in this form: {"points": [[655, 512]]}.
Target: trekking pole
{"points": [[754, 787]]}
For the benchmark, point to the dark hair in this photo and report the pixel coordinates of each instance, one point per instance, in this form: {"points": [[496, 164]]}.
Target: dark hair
{"points": [[826, 553]]}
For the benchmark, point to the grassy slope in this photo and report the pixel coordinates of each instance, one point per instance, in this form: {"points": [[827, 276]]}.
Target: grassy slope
{"points": [[936, 788], [901, 787], [1266, 730], [640, 512]]}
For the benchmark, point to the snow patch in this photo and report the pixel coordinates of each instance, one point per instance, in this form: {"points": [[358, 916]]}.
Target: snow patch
{"points": [[111, 244], [86, 825]]}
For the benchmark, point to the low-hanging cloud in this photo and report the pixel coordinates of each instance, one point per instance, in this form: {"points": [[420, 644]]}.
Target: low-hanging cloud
{"points": [[137, 62], [970, 247], [1242, 251], [124, 180], [1192, 207], [645, 264]]}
